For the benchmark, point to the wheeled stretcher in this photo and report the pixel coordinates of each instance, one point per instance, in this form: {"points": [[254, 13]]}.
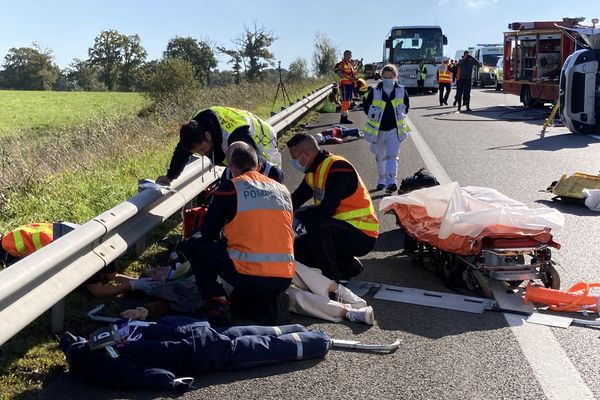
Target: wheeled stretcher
{"points": [[470, 232]]}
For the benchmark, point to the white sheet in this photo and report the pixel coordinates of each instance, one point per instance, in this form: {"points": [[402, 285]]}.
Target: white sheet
{"points": [[468, 210]]}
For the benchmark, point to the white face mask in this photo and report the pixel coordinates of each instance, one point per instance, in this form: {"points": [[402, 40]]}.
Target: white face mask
{"points": [[388, 84], [296, 163]]}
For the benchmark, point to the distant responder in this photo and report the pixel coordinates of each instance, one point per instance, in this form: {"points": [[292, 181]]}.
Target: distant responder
{"points": [[347, 75], [386, 107], [211, 131], [444, 76], [421, 76], [342, 223], [255, 255], [361, 87], [465, 76]]}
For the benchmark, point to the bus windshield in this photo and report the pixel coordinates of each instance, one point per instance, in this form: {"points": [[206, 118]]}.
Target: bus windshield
{"points": [[416, 44]]}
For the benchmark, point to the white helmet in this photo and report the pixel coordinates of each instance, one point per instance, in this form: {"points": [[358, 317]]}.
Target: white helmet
{"points": [[319, 138]]}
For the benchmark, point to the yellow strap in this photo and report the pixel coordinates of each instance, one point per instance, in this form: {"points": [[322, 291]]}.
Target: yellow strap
{"points": [[322, 170], [352, 214], [37, 241], [19, 244], [364, 226]]}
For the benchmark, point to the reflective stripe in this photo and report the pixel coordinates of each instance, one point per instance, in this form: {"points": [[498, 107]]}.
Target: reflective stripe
{"points": [[363, 212], [299, 347], [259, 195], [259, 257], [364, 226], [19, 243], [371, 128], [37, 240], [277, 330]]}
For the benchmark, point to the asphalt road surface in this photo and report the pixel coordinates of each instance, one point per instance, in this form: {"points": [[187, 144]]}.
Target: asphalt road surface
{"points": [[444, 354]]}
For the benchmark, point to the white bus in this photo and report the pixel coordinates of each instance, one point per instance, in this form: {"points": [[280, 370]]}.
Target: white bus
{"points": [[407, 46]]}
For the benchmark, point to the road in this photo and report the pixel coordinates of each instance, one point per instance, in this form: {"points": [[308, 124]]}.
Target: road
{"points": [[444, 354]]}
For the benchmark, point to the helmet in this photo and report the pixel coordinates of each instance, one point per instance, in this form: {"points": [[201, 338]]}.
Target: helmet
{"points": [[319, 137], [361, 86]]}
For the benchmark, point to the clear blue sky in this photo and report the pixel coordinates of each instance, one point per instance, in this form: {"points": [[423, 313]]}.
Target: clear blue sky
{"points": [[69, 27]]}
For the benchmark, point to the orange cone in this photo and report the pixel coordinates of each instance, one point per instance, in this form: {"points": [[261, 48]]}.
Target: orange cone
{"points": [[576, 298]]}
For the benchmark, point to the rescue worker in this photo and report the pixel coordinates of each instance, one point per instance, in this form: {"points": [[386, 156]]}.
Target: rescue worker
{"points": [[386, 107], [465, 74], [421, 76], [444, 77], [211, 131], [342, 223], [347, 75], [256, 254]]}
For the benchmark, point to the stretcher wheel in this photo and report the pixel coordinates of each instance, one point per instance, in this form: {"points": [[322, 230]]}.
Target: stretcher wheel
{"points": [[449, 269], [549, 276], [410, 244]]}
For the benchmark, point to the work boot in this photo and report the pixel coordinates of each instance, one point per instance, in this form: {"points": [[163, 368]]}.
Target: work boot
{"points": [[218, 311], [458, 109], [278, 309], [364, 315], [352, 268], [380, 186], [344, 120], [454, 104], [468, 109], [391, 188]]}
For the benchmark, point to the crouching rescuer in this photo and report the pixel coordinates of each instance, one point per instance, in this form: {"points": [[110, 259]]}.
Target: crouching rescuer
{"points": [[256, 254], [342, 223]]}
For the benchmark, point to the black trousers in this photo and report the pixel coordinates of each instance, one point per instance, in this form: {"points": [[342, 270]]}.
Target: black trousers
{"points": [[444, 98], [330, 245], [420, 86], [463, 92], [210, 259]]}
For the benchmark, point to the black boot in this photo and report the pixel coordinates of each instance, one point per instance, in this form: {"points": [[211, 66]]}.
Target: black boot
{"points": [[344, 120]]}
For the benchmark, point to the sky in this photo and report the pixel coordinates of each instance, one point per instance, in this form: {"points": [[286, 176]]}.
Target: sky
{"points": [[68, 27]]}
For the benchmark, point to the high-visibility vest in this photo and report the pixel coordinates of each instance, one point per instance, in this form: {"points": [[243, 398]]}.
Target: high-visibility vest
{"points": [[26, 239], [264, 135], [371, 128], [444, 76], [356, 209], [260, 238], [347, 71]]}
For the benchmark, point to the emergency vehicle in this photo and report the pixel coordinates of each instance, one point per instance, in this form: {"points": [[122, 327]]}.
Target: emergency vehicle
{"points": [[534, 53], [487, 55]]}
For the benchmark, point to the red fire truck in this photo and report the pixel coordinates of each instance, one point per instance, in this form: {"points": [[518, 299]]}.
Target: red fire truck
{"points": [[534, 53]]}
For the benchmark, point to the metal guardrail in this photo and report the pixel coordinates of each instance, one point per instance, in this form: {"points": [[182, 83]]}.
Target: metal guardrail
{"points": [[33, 285]]}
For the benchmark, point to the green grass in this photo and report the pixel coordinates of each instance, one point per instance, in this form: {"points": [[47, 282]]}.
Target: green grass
{"points": [[24, 111], [81, 191]]}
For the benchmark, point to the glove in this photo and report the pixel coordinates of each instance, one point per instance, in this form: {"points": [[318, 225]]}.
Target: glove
{"points": [[143, 284]]}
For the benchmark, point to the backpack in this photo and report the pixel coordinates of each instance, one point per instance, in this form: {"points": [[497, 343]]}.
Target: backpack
{"points": [[421, 179]]}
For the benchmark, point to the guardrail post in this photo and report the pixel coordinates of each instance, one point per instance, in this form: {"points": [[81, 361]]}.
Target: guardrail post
{"points": [[57, 311]]}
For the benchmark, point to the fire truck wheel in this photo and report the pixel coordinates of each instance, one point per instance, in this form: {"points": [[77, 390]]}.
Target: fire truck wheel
{"points": [[526, 97]]}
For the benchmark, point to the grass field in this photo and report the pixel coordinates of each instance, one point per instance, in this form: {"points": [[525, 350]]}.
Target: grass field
{"points": [[39, 110], [81, 191]]}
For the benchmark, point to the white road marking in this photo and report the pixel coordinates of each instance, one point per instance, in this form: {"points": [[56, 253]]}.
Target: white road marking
{"points": [[556, 374]]}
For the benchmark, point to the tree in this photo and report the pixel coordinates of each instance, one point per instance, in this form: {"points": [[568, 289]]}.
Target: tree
{"points": [[236, 60], [118, 57], [170, 76], [199, 53], [298, 70], [82, 75], [324, 56], [134, 56], [253, 47], [29, 68]]}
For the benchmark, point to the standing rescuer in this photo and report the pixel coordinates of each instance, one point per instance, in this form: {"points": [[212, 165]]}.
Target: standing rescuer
{"points": [[444, 76], [464, 76], [386, 107], [211, 131], [347, 75], [342, 223]]}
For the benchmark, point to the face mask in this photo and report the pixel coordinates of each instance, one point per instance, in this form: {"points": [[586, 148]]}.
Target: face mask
{"points": [[388, 84], [297, 165]]}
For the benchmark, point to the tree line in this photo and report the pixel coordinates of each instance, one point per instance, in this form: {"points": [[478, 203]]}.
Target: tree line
{"points": [[118, 62]]}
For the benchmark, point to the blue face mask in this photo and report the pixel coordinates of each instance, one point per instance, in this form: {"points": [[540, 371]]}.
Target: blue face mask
{"points": [[388, 83], [296, 163]]}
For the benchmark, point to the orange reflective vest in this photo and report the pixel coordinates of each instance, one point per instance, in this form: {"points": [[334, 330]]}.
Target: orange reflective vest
{"points": [[26, 239], [357, 209], [260, 238], [444, 76], [346, 70]]}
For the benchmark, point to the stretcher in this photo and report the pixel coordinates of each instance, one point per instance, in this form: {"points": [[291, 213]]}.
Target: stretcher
{"points": [[473, 232]]}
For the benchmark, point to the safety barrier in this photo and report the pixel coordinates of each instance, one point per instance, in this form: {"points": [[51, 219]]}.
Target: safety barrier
{"points": [[33, 285]]}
